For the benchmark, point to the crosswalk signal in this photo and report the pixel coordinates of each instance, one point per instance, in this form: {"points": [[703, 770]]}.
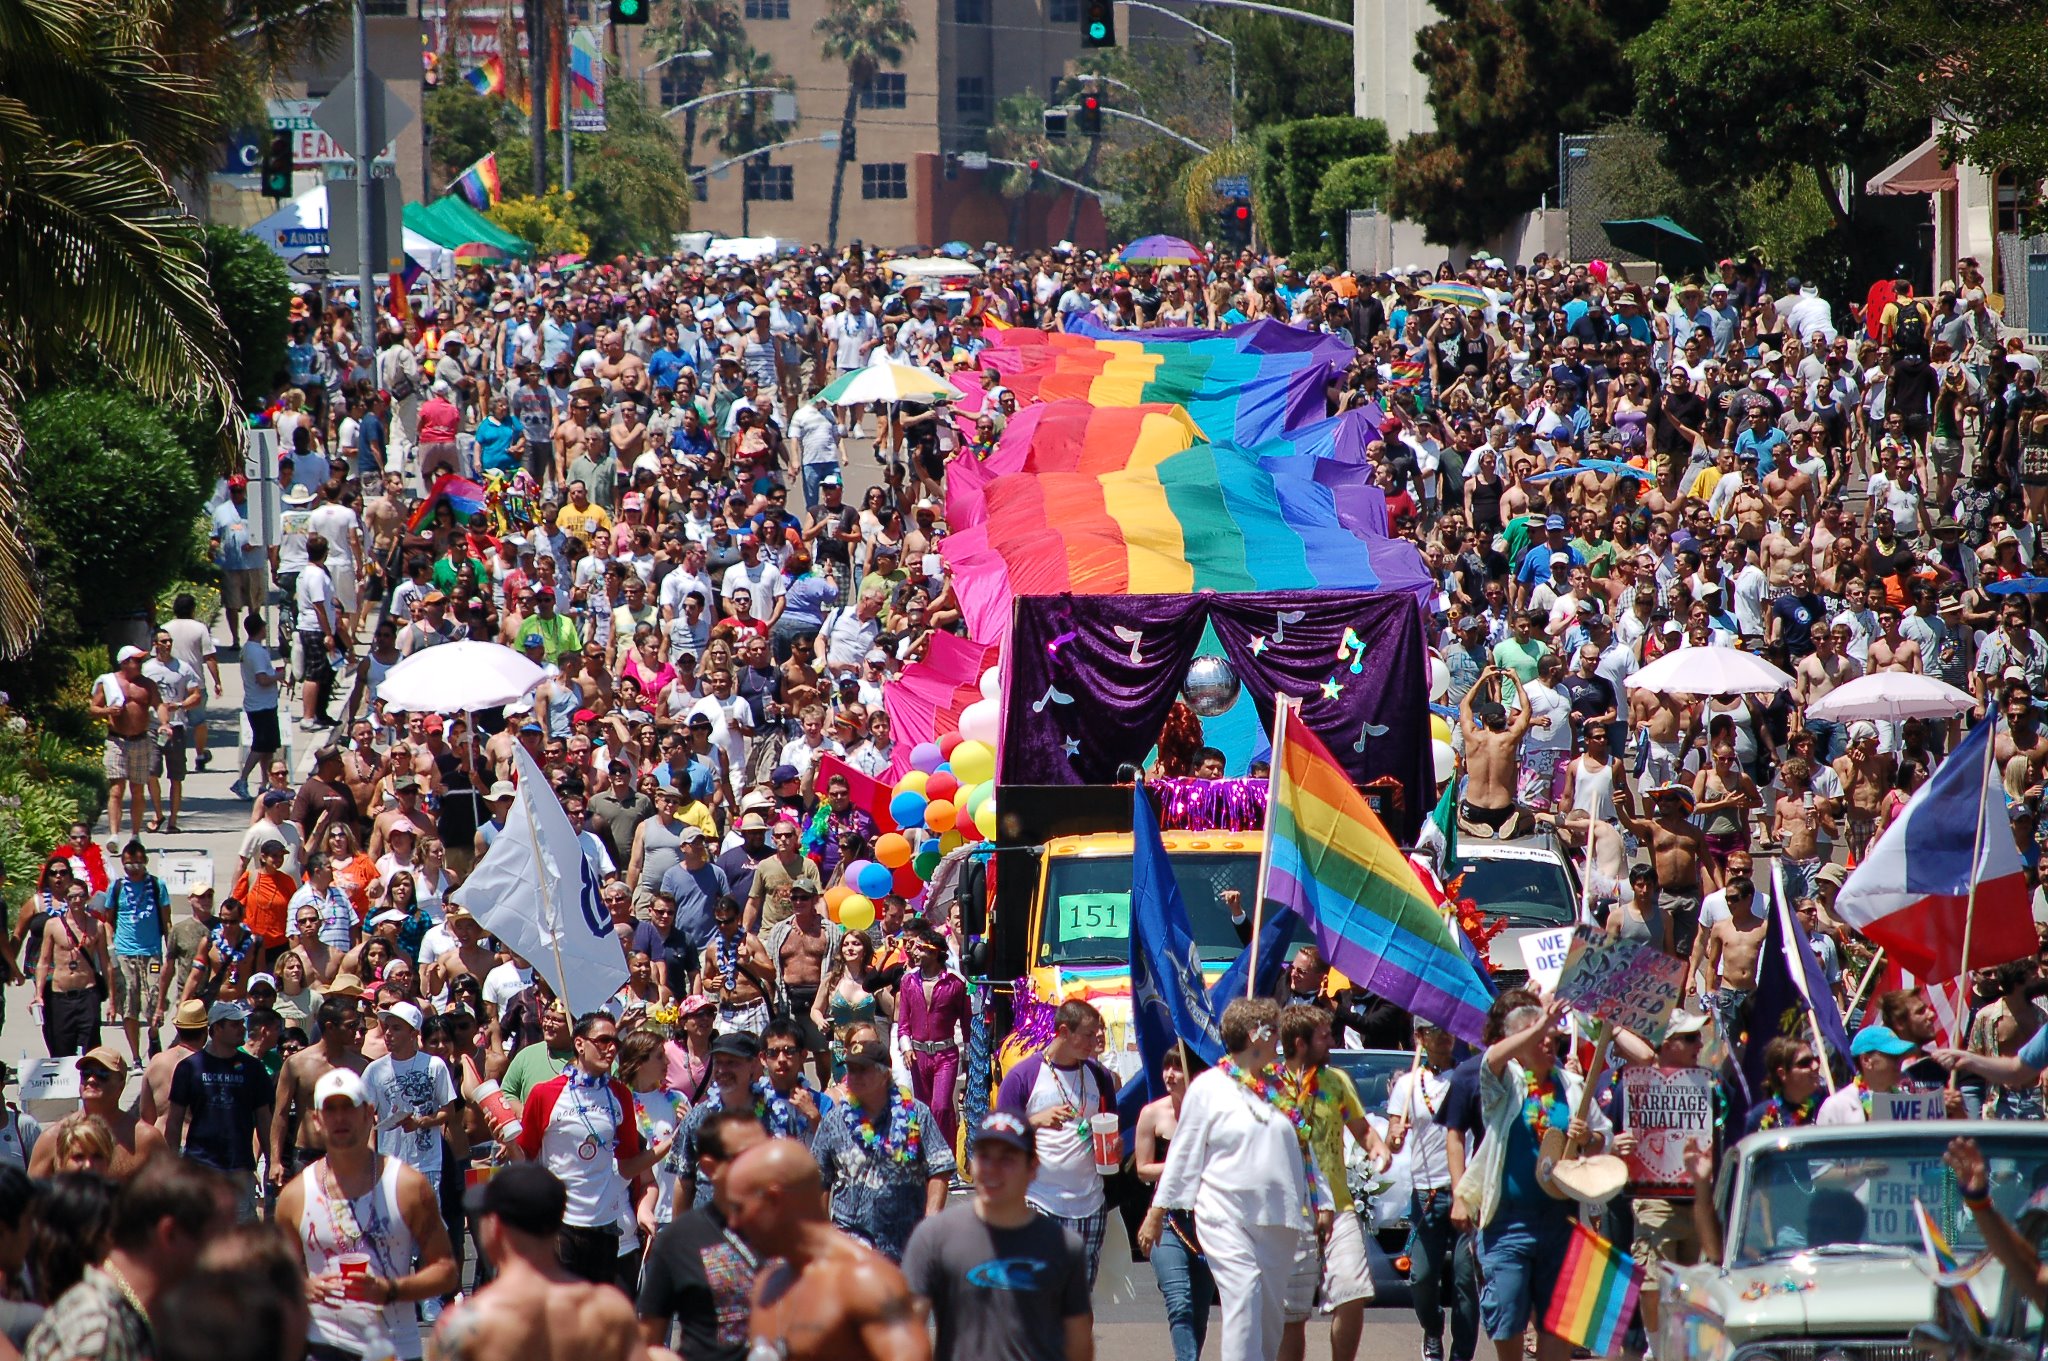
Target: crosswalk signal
{"points": [[1098, 23], [1236, 226], [629, 11], [277, 165], [1091, 115], [1055, 125]]}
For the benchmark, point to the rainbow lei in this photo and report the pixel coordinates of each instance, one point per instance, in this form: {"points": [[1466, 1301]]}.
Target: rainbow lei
{"points": [[1782, 1114], [1539, 1095], [1269, 1086], [902, 1145]]}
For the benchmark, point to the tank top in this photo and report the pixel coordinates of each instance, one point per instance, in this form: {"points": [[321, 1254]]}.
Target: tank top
{"points": [[1745, 726], [378, 670], [1648, 929], [1593, 790], [565, 700], [661, 848], [371, 1225], [1486, 503]]}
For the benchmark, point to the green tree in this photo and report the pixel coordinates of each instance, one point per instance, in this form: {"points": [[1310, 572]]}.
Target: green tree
{"points": [[1349, 185], [549, 222], [629, 185], [711, 26], [1712, 80], [1506, 77], [1293, 159], [463, 127], [1017, 133], [254, 294], [1185, 86], [1286, 69], [743, 123], [100, 256], [864, 36]]}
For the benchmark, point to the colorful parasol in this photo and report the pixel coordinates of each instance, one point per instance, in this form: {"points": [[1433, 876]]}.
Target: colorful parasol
{"points": [[1161, 250], [1456, 295]]}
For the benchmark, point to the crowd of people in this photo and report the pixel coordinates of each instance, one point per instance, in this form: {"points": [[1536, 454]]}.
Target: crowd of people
{"points": [[755, 1142]]}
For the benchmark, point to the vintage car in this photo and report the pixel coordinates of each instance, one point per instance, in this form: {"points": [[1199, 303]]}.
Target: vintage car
{"points": [[1822, 1255]]}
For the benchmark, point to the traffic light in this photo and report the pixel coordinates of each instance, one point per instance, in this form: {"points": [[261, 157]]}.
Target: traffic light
{"points": [[1098, 23], [1033, 163], [1091, 114], [1055, 125], [277, 165], [1235, 229], [629, 11], [849, 142]]}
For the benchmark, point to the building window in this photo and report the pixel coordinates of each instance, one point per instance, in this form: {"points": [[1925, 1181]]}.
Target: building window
{"points": [[766, 182], [388, 9], [970, 11], [970, 99], [884, 179], [884, 90], [677, 86], [580, 11], [767, 9], [1063, 11]]}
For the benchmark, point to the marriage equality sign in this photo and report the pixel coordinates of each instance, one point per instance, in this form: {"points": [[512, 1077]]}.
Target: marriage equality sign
{"points": [[1627, 983], [1668, 1110]]}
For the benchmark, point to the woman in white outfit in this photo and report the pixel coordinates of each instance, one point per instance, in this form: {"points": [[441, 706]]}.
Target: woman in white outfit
{"points": [[1239, 1162]]}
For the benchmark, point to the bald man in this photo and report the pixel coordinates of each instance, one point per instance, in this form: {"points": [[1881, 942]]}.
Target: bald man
{"points": [[826, 1297]]}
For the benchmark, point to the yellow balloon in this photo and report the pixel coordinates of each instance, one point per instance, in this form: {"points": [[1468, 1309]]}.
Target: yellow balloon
{"points": [[1440, 729], [913, 781], [985, 820], [857, 913], [950, 842], [973, 762]]}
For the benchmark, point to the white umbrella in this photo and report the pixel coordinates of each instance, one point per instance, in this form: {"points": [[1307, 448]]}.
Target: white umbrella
{"points": [[1893, 695], [934, 267], [888, 383], [457, 678], [1708, 671]]}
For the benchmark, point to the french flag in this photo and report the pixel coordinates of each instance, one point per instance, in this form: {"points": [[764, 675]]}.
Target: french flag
{"points": [[1911, 894]]}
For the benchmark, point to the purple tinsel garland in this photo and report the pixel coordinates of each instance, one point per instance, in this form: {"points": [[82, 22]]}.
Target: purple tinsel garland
{"points": [[1190, 805], [1031, 1021]]}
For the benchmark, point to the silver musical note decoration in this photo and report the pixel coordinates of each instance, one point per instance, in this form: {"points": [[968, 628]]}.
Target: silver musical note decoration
{"points": [[1133, 637], [1368, 729], [1282, 618], [1053, 695]]}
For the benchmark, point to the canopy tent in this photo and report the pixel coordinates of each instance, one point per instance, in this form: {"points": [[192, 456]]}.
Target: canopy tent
{"points": [[451, 222], [309, 212], [1920, 171]]}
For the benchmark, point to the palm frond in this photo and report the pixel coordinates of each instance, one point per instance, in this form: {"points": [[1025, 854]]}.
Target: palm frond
{"points": [[20, 601]]}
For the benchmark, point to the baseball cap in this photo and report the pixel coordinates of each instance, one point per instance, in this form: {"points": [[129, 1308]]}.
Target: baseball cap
{"points": [[1879, 1039], [869, 1053], [226, 1011], [1831, 874], [402, 1011], [689, 836], [263, 980], [1003, 1127], [129, 654], [696, 1002], [1554, 522], [737, 1043], [273, 797], [784, 773], [1685, 1023], [100, 1056], [340, 1084], [237, 482], [831, 480], [525, 1196]]}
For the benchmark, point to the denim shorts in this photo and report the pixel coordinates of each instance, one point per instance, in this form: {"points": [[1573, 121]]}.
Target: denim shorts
{"points": [[1521, 1262]]}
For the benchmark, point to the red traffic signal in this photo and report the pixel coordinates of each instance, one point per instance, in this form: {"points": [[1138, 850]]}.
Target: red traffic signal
{"points": [[1243, 214], [1033, 163], [1090, 115]]}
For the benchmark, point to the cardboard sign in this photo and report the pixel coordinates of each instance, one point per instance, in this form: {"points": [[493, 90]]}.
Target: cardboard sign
{"points": [[1668, 1110], [1545, 953], [1628, 983], [1907, 1105], [49, 1079]]}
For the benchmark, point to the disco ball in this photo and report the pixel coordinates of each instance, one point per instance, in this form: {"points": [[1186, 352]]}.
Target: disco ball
{"points": [[1211, 687]]}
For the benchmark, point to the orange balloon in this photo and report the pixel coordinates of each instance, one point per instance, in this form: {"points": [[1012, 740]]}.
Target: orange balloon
{"points": [[893, 850]]}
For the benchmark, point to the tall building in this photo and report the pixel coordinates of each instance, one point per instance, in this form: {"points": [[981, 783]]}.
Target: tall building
{"points": [[1386, 84]]}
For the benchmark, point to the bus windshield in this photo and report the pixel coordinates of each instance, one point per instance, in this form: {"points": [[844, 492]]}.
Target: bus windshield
{"points": [[1088, 905]]}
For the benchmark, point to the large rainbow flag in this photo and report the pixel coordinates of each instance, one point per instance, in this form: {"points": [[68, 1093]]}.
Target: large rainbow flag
{"points": [[488, 77], [1332, 862], [479, 184], [1596, 1295]]}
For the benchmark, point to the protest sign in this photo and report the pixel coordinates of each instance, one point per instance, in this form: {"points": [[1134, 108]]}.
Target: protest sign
{"points": [[1668, 1110], [1628, 983], [1907, 1105], [48, 1079], [1544, 954]]}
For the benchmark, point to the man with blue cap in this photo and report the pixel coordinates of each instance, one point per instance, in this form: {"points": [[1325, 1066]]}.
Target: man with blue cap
{"points": [[1879, 1052]]}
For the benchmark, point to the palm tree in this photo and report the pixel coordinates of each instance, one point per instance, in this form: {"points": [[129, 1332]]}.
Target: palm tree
{"points": [[864, 35], [712, 26], [97, 254], [1017, 133], [744, 122]]}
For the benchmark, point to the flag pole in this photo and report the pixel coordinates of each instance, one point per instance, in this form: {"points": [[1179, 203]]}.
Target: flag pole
{"points": [[1976, 861], [1281, 704], [1863, 984], [550, 915], [1786, 941]]}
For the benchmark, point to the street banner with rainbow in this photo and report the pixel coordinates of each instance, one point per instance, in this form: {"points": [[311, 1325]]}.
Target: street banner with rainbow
{"points": [[1332, 862], [1596, 1294]]}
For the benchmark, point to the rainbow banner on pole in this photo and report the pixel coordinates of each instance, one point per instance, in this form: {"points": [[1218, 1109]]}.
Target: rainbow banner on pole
{"points": [[479, 183], [1333, 863], [488, 77], [1596, 1295]]}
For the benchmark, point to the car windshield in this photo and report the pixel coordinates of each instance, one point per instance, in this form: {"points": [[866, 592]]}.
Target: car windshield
{"points": [[1526, 892], [1857, 1196], [1088, 905], [1372, 1072]]}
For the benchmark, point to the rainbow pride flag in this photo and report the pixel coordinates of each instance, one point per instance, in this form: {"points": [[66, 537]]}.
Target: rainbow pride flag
{"points": [[1596, 1295], [489, 77], [1951, 1274], [459, 492], [1332, 862], [479, 183]]}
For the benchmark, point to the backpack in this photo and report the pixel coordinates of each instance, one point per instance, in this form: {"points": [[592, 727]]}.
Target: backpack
{"points": [[1909, 332]]}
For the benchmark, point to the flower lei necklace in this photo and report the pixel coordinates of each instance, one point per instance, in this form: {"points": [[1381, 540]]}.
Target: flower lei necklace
{"points": [[1539, 1096], [1782, 1114], [228, 953], [903, 1145], [1269, 1088], [729, 956], [772, 1110]]}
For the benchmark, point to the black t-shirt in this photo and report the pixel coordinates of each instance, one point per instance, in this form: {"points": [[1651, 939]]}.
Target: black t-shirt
{"points": [[829, 547], [1460, 1110], [225, 1100], [703, 1278], [1910, 389], [1590, 696], [1799, 613], [998, 1294], [1686, 408]]}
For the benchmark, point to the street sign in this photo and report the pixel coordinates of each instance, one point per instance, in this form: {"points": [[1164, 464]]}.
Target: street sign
{"points": [[302, 238], [1233, 186], [308, 264], [387, 234], [974, 160], [336, 115]]}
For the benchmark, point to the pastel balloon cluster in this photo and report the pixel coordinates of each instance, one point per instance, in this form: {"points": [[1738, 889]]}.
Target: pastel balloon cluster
{"points": [[946, 799]]}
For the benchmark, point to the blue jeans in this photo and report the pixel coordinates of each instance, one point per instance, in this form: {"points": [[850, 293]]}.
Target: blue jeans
{"points": [[1521, 1259], [1828, 740], [1187, 1287], [814, 475], [1465, 1297], [1432, 1247]]}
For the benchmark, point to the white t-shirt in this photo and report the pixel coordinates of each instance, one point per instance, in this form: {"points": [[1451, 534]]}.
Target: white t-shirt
{"points": [[763, 581], [1416, 1097], [257, 661], [1845, 1107], [420, 1085], [1067, 1185], [175, 681], [191, 642], [315, 588], [337, 524], [1550, 719], [504, 983]]}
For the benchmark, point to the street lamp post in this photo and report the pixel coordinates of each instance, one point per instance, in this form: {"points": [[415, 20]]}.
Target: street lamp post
{"points": [[695, 54], [1213, 36]]}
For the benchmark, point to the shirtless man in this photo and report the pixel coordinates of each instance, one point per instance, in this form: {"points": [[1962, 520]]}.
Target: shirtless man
{"points": [[1817, 676], [101, 1075], [2022, 735], [68, 973], [384, 515], [820, 1296], [734, 967], [297, 1142], [1790, 488], [1731, 954], [1493, 741], [1798, 821], [1825, 531], [534, 1310], [189, 1022], [469, 958], [1889, 651], [227, 960], [1669, 722], [128, 700], [406, 788], [1866, 774], [1783, 558], [1748, 508], [800, 944], [1677, 849]]}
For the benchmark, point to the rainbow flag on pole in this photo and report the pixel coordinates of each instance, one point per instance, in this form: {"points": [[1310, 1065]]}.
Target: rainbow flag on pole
{"points": [[1332, 862], [1951, 1274], [1596, 1295], [479, 183], [487, 78]]}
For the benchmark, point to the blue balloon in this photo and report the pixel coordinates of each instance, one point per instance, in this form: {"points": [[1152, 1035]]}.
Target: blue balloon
{"points": [[908, 809], [876, 880]]}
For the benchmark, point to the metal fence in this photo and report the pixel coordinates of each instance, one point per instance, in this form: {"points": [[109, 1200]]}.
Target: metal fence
{"points": [[1589, 197], [2023, 267]]}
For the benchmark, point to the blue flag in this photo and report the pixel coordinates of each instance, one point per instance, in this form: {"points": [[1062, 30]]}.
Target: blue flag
{"points": [[1169, 995], [1789, 986], [1270, 949]]}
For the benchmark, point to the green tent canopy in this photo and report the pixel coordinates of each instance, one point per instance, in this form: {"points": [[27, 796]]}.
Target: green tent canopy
{"points": [[451, 222]]}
